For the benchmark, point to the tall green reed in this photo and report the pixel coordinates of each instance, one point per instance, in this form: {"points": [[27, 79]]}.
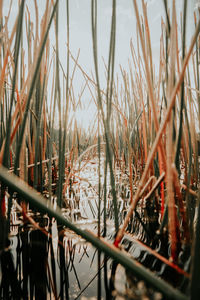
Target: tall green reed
{"points": [[16, 59], [100, 104]]}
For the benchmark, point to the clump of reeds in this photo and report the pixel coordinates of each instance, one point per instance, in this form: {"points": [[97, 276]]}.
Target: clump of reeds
{"points": [[149, 129]]}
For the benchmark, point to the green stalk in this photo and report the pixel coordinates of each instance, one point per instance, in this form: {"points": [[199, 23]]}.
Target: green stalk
{"points": [[177, 161], [188, 196], [111, 64], [32, 86], [167, 16], [195, 287], [16, 59], [62, 133], [107, 136], [198, 87], [105, 195], [166, 38], [99, 177], [67, 81], [49, 164], [30, 195], [6, 154], [58, 97], [99, 208], [40, 99]]}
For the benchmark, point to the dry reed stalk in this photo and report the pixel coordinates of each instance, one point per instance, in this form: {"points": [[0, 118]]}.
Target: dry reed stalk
{"points": [[194, 71], [148, 78], [144, 126], [185, 144], [161, 64], [149, 181], [158, 136], [177, 47], [22, 98], [29, 34], [22, 161], [36, 39], [191, 105], [161, 166], [5, 62], [170, 145], [3, 70], [155, 185], [44, 144], [148, 40], [177, 187], [19, 105], [31, 165]]}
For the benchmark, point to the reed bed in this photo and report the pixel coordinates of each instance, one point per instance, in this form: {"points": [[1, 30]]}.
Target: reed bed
{"points": [[147, 131]]}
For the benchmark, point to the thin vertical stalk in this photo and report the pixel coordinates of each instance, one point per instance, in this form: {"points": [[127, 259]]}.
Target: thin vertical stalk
{"points": [[195, 287], [99, 208], [99, 177], [94, 39], [170, 144], [67, 89], [16, 59], [38, 128], [177, 160], [61, 166], [105, 195]]}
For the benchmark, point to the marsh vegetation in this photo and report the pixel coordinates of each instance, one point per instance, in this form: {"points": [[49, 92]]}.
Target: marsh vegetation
{"points": [[111, 211]]}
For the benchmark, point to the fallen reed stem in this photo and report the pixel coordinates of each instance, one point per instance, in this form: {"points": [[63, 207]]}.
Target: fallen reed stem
{"points": [[30, 195]]}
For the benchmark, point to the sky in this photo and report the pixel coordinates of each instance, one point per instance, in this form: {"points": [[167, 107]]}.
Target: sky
{"points": [[81, 38]]}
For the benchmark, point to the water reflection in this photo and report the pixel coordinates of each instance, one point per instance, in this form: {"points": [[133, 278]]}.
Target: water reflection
{"points": [[10, 286], [53, 264]]}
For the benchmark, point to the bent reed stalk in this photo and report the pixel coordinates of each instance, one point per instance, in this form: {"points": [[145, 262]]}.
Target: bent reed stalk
{"points": [[30, 195]]}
